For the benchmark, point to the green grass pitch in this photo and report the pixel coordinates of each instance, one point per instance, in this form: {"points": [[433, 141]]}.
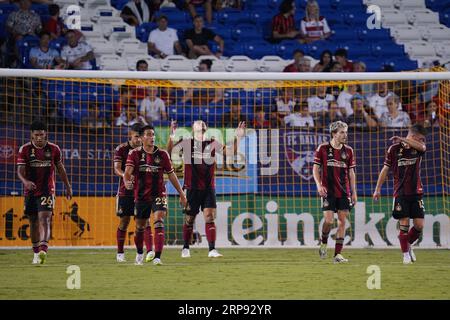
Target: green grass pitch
{"points": [[241, 274]]}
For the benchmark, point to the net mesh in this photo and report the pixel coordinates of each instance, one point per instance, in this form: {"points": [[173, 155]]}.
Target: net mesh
{"points": [[266, 195]]}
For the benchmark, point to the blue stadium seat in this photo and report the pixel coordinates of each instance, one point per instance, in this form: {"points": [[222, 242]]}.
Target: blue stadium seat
{"points": [[348, 5], [244, 32], [40, 9], [119, 4], [286, 48], [444, 17], [365, 34], [233, 16], [343, 34], [25, 46], [6, 8], [354, 19], [174, 16], [437, 5], [58, 43], [390, 49], [258, 49], [143, 31]]}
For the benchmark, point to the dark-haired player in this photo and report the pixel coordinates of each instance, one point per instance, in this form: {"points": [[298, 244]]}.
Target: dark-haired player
{"points": [[36, 164], [336, 184], [125, 197], [147, 164], [199, 180], [404, 158]]}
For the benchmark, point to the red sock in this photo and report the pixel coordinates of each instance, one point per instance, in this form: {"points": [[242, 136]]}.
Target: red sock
{"points": [[325, 232], [43, 246], [139, 241], [413, 235], [120, 240], [148, 238], [403, 237], [210, 229], [159, 241], [36, 247], [338, 246], [187, 234]]}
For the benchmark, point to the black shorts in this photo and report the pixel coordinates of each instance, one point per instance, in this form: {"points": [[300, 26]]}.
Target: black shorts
{"points": [[142, 210], [125, 206], [200, 199], [408, 207], [336, 204], [35, 204]]}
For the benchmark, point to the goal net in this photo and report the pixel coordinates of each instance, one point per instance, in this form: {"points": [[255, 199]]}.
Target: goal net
{"points": [[266, 195]]}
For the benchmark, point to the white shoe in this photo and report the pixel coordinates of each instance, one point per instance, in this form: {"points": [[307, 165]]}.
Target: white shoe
{"points": [[339, 259], [121, 257], [214, 254], [185, 253], [150, 256], [323, 251], [35, 259], [412, 254], [157, 262], [406, 258], [139, 259]]}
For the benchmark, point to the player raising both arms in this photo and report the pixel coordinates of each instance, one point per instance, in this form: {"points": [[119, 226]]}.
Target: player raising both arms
{"points": [[36, 165], [336, 185], [125, 197], [147, 164], [199, 156], [404, 158]]}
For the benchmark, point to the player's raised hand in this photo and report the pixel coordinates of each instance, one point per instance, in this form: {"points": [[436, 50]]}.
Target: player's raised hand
{"points": [[322, 191], [376, 195], [29, 185], [240, 131]]}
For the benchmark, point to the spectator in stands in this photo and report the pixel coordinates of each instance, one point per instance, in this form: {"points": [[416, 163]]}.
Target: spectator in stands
{"points": [[163, 40], [197, 40], [207, 4], [345, 98], [141, 65], [295, 66], [283, 24], [313, 26], [260, 120], [416, 108], [333, 114], [318, 104], [55, 25], [300, 118], [359, 66], [234, 117], [366, 88], [378, 102], [326, 59], [223, 4], [128, 106], [284, 105], [43, 57], [95, 120], [394, 118], [137, 12], [361, 117], [333, 67], [77, 55], [432, 115], [204, 66], [341, 57], [152, 107]]}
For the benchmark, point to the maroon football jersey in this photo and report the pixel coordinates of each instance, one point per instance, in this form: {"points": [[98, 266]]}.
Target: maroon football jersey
{"points": [[40, 166], [199, 162], [148, 172], [121, 155], [405, 165], [335, 164]]}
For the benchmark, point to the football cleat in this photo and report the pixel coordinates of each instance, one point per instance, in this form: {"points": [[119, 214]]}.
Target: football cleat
{"points": [[35, 259], [339, 259], [412, 254], [157, 262], [406, 258], [150, 256], [121, 257], [323, 251], [185, 253], [139, 259], [42, 256], [214, 254]]}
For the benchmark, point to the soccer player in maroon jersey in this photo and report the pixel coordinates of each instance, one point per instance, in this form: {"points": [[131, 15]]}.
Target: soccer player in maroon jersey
{"points": [[404, 158], [36, 164], [147, 164], [199, 181], [125, 197], [334, 174]]}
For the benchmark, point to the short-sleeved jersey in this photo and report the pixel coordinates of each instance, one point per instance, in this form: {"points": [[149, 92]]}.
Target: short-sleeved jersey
{"points": [[405, 165], [199, 162], [121, 155], [336, 165], [148, 172], [40, 166]]}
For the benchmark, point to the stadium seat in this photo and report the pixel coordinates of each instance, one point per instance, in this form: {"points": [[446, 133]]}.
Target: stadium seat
{"points": [[441, 33], [90, 4], [118, 31], [381, 49], [409, 5], [119, 4], [25, 46], [91, 30], [40, 9], [143, 31], [104, 12], [257, 49], [217, 64], [101, 46], [240, 64], [367, 35], [245, 32], [153, 64], [393, 18], [423, 17], [112, 62], [343, 34], [6, 8], [420, 50], [176, 63], [131, 46], [383, 4], [405, 34], [271, 64]]}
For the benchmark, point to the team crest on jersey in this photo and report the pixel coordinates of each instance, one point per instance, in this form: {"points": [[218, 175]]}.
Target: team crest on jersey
{"points": [[32, 152], [299, 150], [47, 154], [344, 155], [398, 207], [157, 160]]}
